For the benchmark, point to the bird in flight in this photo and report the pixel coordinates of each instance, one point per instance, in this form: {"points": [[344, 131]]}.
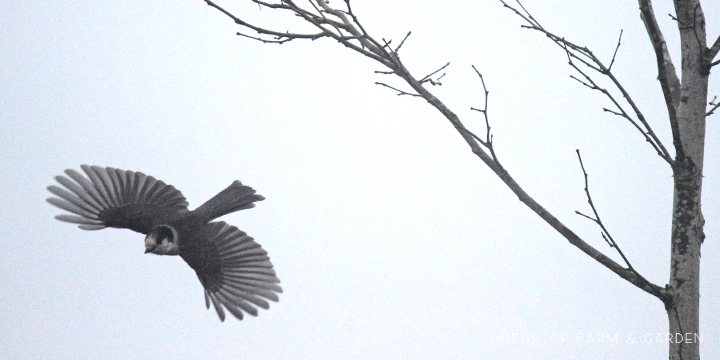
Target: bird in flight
{"points": [[234, 270]]}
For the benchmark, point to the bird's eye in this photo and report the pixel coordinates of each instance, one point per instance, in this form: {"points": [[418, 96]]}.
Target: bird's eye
{"points": [[164, 232]]}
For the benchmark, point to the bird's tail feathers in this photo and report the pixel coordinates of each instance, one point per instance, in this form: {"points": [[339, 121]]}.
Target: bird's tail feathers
{"points": [[235, 197]]}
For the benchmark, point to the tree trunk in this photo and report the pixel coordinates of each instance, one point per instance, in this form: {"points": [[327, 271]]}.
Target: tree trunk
{"points": [[687, 220]]}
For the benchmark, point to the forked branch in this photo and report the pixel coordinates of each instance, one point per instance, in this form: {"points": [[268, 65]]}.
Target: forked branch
{"points": [[715, 104], [488, 143], [587, 58], [330, 22], [596, 217]]}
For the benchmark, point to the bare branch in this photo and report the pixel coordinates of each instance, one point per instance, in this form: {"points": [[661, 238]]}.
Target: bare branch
{"points": [[341, 28], [687, 26], [715, 48], [590, 83], [605, 233], [332, 23], [473, 136], [667, 76], [400, 92], [397, 49], [585, 216], [488, 143], [568, 234], [374, 51], [344, 27], [278, 35], [607, 240], [276, 40], [614, 112], [712, 52], [348, 25], [362, 29], [714, 105], [587, 57], [592, 87], [428, 77], [616, 50]]}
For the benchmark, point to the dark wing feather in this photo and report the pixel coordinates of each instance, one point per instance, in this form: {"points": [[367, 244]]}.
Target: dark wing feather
{"points": [[234, 270], [110, 197]]}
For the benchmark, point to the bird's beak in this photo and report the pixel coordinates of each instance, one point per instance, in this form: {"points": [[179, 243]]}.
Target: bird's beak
{"points": [[150, 249]]}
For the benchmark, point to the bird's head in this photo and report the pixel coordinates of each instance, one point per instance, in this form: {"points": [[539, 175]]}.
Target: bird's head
{"points": [[162, 240]]}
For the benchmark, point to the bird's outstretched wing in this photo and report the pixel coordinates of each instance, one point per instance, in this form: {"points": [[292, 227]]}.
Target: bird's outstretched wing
{"points": [[234, 270], [111, 197]]}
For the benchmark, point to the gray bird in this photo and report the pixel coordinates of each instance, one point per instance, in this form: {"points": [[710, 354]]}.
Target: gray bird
{"points": [[234, 270]]}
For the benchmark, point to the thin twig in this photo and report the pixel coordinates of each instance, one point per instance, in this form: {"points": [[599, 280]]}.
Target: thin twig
{"points": [[428, 77], [400, 92], [473, 135], [488, 143], [605, 233], [397, 49], [693, 26], [715, 105], [616, 51]]}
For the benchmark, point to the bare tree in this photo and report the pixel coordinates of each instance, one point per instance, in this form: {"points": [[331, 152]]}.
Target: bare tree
{"points": [[686, 101]]}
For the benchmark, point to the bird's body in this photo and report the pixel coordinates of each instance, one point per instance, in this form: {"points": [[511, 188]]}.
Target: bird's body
{"points": [[234, 270]]}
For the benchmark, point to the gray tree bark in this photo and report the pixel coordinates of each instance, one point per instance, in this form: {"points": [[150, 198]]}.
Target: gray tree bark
{"points": [[683, 308]]}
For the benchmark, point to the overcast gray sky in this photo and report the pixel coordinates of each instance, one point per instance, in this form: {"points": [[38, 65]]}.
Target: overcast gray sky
{"points": [[392, 240]]}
